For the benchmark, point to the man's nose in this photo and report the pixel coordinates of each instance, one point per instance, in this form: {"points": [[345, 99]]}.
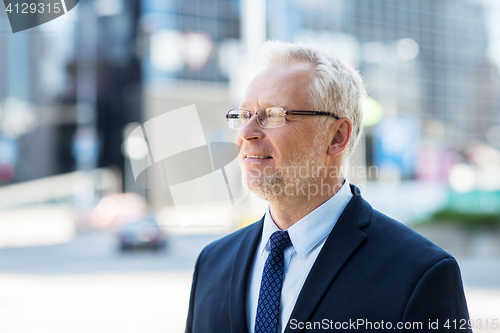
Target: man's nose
{"points": [[250, 130]]}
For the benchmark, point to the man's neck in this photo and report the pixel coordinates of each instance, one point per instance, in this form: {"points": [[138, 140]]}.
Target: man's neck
{"points": [[286, 213]]}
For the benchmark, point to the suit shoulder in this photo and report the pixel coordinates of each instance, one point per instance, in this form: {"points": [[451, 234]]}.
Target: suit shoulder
{"points": [[231, 241], [401, 239]]}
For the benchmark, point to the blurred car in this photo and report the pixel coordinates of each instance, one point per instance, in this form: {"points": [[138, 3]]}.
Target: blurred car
{"points": [[141, 234]]}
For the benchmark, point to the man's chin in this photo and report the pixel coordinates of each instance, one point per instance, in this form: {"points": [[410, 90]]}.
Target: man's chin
{"points": [[267, 188], [252, 183]]}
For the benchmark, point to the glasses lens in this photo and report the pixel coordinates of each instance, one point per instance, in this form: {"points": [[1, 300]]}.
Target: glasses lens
{"points": [[267, 118], [237, 118], [271, 117]]}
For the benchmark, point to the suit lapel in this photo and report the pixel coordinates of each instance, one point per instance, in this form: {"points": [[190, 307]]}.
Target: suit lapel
{"points": [[242, 264], [344, 239]]}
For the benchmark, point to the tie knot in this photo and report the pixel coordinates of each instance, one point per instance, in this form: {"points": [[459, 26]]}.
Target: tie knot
{"points": [[280, 241]]}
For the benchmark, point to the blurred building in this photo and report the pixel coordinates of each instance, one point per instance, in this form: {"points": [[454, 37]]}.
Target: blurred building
{"points": [[182, 44], [427, 60], [67, 89], [182, 38]]}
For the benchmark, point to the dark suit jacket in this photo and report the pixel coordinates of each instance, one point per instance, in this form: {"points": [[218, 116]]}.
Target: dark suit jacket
{"points": [[371, 268]]}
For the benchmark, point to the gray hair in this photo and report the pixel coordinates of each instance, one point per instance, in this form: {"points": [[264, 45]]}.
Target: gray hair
{"points": [[336, 87]]}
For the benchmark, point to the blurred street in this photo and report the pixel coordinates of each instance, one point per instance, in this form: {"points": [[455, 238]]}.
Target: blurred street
{"points": [[88, 285]]}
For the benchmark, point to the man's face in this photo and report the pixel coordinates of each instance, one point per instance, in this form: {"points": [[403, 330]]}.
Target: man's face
{"points": [[275, 161]]}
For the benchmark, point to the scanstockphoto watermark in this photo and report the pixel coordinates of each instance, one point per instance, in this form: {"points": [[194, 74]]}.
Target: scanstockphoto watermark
{"points": [[365, 324], [358, 324], [26, 14], [305, 181], [202, 177], [316, 172]]}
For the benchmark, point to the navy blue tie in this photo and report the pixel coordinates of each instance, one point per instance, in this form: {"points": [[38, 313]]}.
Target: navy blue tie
{"points": [[266, 320]]}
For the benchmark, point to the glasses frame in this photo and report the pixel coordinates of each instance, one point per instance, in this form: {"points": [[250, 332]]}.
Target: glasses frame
{"points": [[287, 112]]}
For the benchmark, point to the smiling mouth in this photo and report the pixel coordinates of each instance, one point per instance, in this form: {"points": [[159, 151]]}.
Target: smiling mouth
{"points": [[258, 157]]}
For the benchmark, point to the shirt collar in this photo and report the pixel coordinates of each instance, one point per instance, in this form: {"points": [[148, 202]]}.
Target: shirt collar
{"points": [[309, 231]]}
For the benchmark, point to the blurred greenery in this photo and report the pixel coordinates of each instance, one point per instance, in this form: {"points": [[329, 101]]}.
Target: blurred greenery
{"points": [[465, 219]]}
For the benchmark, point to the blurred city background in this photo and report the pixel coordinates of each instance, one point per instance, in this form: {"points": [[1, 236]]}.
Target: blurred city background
{"points": [[83, 248]]}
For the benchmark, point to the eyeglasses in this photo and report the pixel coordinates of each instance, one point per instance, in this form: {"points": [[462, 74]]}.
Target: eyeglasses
{"points": [[269, 117]]}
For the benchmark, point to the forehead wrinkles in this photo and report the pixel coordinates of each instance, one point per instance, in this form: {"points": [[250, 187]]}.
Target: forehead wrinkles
{"points": [[280, 82]]}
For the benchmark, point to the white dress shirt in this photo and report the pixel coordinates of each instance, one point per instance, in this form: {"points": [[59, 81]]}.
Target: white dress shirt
{"points": [[308, 236]]}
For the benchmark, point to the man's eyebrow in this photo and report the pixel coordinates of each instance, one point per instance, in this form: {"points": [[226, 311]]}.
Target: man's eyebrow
{"points": [[277, 105]]}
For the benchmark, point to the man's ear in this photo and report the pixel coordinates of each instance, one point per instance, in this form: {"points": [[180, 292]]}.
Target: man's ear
{"points": [[342, 129]]}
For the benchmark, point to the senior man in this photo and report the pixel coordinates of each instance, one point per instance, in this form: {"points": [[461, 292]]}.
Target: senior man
{"points": [[321, 257]]}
